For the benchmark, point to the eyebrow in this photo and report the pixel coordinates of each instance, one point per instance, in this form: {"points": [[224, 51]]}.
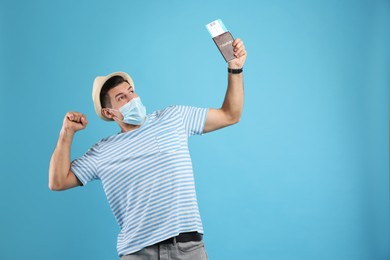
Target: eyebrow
{"points": [[121, 93]]}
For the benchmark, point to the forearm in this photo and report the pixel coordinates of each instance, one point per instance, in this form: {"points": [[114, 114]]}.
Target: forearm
{"points": [[60, 160], [234, 98], [231, 109]]}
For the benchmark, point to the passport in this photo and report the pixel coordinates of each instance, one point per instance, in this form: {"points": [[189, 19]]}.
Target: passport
{"points": [[222, 38]]}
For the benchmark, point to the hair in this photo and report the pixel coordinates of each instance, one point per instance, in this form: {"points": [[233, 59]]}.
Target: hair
{"points": [[109, 84]]}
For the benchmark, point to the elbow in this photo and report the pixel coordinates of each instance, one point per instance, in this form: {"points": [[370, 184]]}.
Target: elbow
{"points": [[54, 186], [231, 116], [234, 117], [231, 121], [235, 120]]}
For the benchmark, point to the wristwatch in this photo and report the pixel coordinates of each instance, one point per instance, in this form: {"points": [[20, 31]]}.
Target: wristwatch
{"points": [[235, 71]]}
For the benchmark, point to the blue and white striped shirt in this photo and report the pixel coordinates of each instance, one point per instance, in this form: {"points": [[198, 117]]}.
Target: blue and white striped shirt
{"points": [[147, 177]]}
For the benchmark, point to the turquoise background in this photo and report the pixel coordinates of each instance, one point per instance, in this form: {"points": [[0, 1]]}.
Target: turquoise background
{"points": [[303, 176]]}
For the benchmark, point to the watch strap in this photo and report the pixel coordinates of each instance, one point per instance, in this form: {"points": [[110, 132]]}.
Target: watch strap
{"points": [[235, 71]]}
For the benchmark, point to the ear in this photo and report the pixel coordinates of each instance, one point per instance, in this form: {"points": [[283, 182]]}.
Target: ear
{"points": [[107, 113]]}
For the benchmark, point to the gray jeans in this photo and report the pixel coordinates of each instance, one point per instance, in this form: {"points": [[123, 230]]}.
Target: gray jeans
{"points": [[193, 250]]}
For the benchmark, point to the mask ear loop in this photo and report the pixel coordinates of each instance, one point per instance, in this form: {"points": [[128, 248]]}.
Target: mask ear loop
{"points": [[113, 113]]}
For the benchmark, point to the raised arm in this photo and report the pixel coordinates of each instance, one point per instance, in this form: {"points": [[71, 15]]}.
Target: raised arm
{"points": [[230, 112], [60, 175]]}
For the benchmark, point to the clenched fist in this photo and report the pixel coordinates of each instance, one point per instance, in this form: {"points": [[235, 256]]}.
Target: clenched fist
{"points": [[74, 121]]}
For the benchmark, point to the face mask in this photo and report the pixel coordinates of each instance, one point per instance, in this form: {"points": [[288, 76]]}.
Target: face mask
{"points": [[133, 112]]}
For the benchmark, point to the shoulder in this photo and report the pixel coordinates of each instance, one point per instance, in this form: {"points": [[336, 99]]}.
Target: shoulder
{"points": [[106, 140], [170, 110]]}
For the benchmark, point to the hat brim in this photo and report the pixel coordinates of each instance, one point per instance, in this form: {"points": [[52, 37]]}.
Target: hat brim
{"points": [[97, 87]]}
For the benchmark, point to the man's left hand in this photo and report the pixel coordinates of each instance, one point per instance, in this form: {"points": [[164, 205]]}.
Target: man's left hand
{"points": [[240, 53]]}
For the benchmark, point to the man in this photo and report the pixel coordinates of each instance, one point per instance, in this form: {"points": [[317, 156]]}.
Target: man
{"points": [[146, 169]]}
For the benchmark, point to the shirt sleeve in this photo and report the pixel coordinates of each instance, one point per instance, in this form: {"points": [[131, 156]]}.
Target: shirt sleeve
{"points": [[85, 167], [194, 119]]}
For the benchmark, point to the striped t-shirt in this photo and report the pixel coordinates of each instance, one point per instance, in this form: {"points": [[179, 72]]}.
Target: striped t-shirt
{"points": [[147, 177]]}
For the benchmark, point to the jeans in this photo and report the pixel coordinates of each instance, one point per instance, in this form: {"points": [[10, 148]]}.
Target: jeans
{"points": [[193, 250]]}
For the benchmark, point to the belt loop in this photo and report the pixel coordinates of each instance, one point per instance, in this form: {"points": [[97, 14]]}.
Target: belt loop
{"points": [[174, 240]]}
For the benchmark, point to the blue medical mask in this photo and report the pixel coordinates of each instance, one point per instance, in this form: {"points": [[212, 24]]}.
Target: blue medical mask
{"points": [[133, 112]]}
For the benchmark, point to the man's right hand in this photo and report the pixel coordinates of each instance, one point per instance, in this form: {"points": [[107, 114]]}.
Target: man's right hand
{"points": [[74, 121]]}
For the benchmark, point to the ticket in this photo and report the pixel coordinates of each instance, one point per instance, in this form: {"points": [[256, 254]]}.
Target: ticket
{"points": [[216, 28]]}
